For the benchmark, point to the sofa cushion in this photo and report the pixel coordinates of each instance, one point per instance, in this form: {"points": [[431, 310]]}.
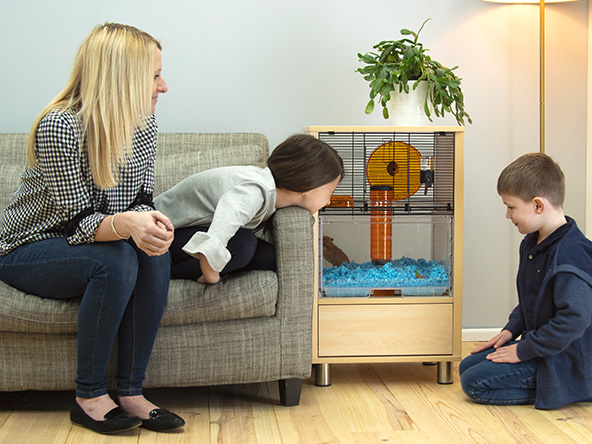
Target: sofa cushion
{"points": [[245, 295], [250, 294]]}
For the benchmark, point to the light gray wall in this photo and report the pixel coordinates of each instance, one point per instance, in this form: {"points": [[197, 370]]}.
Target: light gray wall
{"points": [[277, 66]]}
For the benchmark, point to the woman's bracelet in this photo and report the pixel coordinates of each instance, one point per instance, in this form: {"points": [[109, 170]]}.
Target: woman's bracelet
{"points": [[114, 230]]}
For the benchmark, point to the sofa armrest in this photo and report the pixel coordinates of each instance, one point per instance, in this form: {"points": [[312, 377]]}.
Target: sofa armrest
{"points": [[293, 237]]}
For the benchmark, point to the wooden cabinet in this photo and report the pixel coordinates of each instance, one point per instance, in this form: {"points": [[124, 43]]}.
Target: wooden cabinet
{"points": [[397, 327], [405, 330]]}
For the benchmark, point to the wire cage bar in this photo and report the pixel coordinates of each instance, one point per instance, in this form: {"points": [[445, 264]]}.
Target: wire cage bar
{"points": [[416, 168]]}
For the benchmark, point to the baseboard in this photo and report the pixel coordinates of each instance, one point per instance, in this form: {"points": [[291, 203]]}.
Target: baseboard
{"points": [[479, 334]]}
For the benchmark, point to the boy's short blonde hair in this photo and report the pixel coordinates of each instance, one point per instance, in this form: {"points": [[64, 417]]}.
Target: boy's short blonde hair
{"points": [[533, 175]]}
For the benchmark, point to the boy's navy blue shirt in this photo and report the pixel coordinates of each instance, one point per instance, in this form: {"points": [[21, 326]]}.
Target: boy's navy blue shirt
{"points": [[531, 273], [554, 314]]}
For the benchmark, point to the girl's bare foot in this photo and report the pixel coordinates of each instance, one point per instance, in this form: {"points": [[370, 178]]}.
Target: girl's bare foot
{"points": [[209, 276]]}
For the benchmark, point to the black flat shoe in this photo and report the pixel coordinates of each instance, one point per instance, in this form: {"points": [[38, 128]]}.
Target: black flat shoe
{"points": [[116, 420], [162, 420]]}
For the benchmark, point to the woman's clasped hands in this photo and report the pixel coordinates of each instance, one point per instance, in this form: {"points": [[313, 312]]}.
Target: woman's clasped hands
{"points": [[152, 231]]}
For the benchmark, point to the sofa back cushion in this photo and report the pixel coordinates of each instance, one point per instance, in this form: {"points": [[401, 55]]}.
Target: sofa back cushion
{"points": [[179, 155], [182, 154], [13, 158]]}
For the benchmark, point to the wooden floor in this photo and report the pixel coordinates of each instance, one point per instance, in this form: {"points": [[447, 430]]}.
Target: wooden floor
{"points": [[378, 403]]}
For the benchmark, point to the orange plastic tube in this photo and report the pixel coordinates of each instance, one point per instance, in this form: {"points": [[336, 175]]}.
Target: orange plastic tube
{"points": [[381, 227]]}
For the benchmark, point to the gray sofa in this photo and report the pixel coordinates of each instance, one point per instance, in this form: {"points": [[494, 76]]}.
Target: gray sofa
{"points": [[251, 327]]}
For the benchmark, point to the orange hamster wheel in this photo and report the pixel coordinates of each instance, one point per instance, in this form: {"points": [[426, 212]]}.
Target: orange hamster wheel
{"points": [[396, 164]]}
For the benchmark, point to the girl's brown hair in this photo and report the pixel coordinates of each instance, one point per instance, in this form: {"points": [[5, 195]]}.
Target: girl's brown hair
{"points": [[303, 162]]}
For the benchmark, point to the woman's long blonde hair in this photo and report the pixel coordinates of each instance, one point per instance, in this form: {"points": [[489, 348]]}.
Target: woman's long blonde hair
{"points": [[110, 89]]}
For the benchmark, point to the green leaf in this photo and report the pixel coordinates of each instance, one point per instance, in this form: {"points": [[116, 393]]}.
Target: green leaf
{"points": [[386, 90], [376, 84], [411, 53], [369, 107], [385, 113], [423, 24]]}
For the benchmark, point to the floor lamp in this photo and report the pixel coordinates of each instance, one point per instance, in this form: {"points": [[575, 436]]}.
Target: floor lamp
{"points": [[541, 4]]}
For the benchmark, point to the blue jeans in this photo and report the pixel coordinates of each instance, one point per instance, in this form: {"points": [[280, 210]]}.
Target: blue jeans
{"points": [[123, 293], [487, 382]]}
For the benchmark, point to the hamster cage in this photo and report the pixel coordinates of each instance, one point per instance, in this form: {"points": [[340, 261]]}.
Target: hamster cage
{"points": [[388, 264], [388, 229]]}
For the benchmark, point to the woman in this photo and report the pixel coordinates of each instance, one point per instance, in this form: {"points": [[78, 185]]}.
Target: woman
{"points": [[82, 221]]}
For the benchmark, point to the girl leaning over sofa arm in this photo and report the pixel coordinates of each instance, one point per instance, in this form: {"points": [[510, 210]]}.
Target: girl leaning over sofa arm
{"points": [[82, 222], [214, 211]]}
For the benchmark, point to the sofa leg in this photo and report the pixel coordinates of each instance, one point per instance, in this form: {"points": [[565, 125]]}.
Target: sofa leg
{"points": [[290, 391]]}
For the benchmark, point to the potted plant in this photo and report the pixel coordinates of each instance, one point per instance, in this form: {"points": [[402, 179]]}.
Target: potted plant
{"points": [[399, 66]]}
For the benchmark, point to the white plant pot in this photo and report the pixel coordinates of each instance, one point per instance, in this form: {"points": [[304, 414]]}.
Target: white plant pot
{"points": [[407, 109]]}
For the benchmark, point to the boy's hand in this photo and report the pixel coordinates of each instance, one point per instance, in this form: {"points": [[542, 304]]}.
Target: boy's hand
{"points": [[507, 354], [503, 337]]}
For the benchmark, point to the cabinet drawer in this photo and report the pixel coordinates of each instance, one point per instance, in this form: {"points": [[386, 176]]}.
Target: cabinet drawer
{"points": [[385, 330]]}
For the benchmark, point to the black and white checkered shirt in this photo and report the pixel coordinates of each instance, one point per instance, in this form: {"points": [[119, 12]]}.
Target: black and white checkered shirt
{"points": [[58, 197]]}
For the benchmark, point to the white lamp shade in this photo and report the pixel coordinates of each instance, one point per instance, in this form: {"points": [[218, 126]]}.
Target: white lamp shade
{"points": [[530, 1]]}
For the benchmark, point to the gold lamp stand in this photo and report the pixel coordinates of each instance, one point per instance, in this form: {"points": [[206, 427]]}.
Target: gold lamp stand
{"points": [[541, 57]]}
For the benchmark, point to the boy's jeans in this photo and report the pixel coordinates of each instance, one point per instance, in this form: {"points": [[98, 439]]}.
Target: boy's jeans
{"points": [[488, 382], [123, 292]]}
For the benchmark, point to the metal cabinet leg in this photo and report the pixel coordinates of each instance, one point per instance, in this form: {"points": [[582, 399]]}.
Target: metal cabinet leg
{"points": [[445, 372], [322, 375]]}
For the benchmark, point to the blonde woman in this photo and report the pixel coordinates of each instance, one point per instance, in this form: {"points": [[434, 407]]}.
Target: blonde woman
{"points": [[82, 221]]}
